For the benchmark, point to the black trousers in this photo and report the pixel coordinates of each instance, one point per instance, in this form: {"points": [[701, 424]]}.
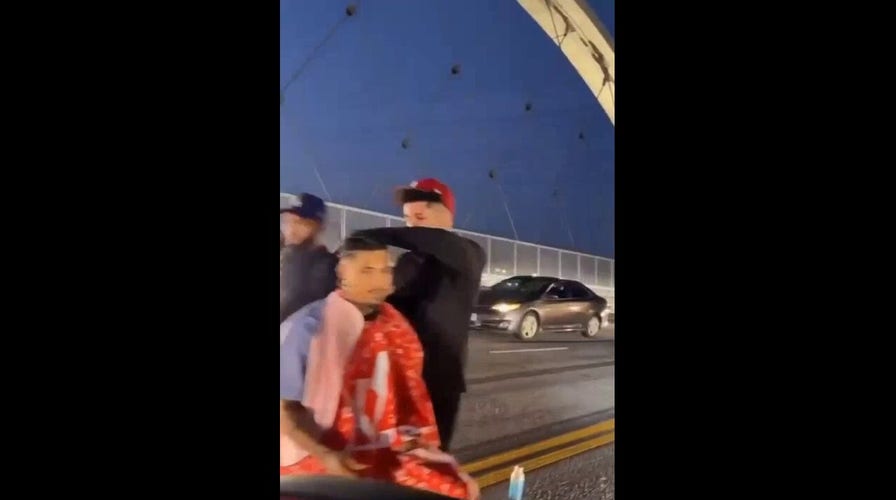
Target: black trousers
{"points": [[446, 406]]}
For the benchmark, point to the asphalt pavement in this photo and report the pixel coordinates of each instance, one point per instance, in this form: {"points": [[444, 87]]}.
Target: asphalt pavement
{"points": [[519, 391], [589, 476]]}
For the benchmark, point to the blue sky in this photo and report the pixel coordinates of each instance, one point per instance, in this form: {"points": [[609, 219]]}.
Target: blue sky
{"points": [[384, 77]]}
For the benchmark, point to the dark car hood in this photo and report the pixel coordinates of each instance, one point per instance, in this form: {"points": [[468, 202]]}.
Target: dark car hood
{"points": [[491, 297]]}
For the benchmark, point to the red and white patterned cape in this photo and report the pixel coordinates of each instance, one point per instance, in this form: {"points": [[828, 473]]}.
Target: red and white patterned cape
{"points": [[384, 408]]}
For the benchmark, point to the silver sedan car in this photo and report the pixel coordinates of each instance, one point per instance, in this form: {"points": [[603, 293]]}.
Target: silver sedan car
{"points": [[528, 305]]}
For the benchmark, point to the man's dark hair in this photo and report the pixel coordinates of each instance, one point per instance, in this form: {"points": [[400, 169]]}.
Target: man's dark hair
{"points": [[354, 244]]}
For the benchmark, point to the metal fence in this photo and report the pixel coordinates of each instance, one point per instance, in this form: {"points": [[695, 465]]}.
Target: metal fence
{"points": [[506, 257]]}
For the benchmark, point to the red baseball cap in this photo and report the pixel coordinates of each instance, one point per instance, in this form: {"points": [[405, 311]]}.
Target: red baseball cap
{"points": [[426, 190]]}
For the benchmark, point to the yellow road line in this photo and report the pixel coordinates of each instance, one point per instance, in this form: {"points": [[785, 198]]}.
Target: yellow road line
{"points": [[503, 474], [508, 456]]}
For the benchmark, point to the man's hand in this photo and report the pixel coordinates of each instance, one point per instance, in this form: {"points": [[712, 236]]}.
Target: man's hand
{"points": [[410, 444], [473, 492], [341, 464]]}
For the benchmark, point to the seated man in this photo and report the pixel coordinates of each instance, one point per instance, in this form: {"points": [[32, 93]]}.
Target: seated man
{"points": [[352, 397]]}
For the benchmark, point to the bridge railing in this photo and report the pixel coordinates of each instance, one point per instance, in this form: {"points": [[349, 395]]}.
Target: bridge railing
{"points": [[505, 257]]}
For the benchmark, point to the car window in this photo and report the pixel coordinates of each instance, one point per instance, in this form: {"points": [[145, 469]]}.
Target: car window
{"points": [[526, 285], [560, 290], [578, 290]]}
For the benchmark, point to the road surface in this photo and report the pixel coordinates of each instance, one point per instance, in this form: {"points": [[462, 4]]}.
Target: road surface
{"points": [[589, 476], [521, 392]]}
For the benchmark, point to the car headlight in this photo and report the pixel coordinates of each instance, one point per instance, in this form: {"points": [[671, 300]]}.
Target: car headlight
{"points": [[505, 307]]}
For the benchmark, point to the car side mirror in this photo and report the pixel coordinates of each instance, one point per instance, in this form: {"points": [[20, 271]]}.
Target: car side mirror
{"points": [[552, 296]]}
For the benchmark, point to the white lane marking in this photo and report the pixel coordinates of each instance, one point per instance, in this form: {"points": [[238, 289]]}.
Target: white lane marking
{"points": [[531, 350]]}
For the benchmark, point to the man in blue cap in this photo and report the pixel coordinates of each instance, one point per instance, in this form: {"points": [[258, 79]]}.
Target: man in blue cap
{"points": [[307, 268]]}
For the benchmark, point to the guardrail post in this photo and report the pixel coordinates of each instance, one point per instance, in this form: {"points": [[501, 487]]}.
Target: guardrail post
{"points": [[578, 267], [514, 258], [538, 261], [488, 244]]}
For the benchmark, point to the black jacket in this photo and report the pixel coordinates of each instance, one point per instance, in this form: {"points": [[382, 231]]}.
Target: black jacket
{"points": [[436, 284], [307, 273]]}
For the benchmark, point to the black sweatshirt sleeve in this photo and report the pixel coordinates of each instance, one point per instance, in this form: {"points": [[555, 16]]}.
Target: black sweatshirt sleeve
{"points": [[306, 279], [447, 247]]}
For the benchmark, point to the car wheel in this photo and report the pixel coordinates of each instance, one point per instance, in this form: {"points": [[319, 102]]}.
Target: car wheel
{"points": [[592, 328], [528, 327]]}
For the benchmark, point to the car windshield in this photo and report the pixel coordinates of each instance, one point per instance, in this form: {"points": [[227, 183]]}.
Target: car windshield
{"points": [[529, 287]]}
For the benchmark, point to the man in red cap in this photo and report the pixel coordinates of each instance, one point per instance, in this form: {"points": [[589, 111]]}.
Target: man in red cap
{"points": [[436, 283]]}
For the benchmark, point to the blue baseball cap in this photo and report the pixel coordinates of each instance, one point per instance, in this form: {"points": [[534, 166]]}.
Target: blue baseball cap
{"points": [[307, 206]]}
